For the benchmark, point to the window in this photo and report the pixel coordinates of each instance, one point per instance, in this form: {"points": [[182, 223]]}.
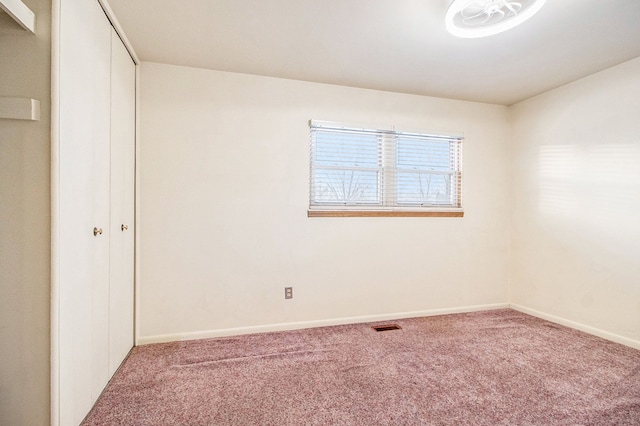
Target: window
{"points": [[367, 172]]}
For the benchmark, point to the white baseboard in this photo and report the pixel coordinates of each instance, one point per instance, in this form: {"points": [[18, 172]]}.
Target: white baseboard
{"points": [[578, 326], [206, 334]]}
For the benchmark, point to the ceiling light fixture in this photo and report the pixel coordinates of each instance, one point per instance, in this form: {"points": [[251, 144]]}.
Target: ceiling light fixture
{"points": [[481, 18]]}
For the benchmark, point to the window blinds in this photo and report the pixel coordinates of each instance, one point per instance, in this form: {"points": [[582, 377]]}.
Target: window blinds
{"points": [[359, 168]]}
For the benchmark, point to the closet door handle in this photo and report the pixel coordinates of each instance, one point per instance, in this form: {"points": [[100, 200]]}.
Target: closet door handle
{"points": [[124, 227], [97, 231]]}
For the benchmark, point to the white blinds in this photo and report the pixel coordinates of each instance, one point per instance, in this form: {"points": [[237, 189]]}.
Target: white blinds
{"points": [[357, 168]]}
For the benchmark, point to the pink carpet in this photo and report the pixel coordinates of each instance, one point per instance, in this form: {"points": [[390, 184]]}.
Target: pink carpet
{"points": [[488, 368]]}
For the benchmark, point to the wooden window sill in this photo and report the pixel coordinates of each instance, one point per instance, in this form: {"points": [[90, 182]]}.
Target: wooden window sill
{"points": [[367, 213]]}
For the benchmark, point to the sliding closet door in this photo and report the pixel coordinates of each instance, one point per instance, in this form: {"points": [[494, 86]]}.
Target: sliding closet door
{"points": [[83, 199], [101, 201], [93, 197], [123, 80]]}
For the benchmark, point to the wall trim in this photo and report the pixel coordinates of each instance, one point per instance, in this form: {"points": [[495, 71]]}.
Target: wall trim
{"points": [[54, 313], [578, 326], [207, 334]]}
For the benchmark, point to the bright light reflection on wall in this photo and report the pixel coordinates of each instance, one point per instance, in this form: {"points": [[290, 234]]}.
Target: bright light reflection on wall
{"points": [[558, 171], [598, 185]]}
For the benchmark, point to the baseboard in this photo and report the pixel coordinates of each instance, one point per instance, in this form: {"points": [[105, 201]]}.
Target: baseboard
{"points": [[206, 334], [578, 326]]}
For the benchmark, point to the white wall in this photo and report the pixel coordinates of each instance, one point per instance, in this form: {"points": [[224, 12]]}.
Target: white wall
{"points": [[223, 208], [25, 226], [575, 173]]}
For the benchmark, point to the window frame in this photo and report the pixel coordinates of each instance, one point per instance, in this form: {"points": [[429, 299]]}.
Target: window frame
{"points": [[387, 181]]}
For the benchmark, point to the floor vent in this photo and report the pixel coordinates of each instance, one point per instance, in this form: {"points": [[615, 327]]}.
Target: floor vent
{"points": [[387, 327]]}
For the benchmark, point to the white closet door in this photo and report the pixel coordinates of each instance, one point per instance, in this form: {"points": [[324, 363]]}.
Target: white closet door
{"points": [[122, 203], [83, 204], [101, 202]]}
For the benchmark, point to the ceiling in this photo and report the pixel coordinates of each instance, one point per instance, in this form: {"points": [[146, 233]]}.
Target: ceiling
{"points": [[393, 45]]}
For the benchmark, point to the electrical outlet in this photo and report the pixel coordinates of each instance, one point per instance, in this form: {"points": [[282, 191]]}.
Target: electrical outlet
{"points": [[288, 292]]}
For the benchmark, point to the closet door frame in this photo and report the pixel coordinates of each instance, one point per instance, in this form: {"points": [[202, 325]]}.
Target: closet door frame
{"points": [[56, 213]]}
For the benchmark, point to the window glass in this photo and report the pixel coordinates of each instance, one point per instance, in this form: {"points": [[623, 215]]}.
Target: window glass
{"points": [[383, 169]]}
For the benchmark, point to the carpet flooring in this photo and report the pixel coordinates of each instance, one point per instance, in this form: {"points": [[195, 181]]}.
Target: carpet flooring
{"points": [[486, 368]]}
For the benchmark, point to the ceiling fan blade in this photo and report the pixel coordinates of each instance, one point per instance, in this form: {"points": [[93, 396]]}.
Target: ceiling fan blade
{"points": [[514, 7], [465, 19], [491, 15]]}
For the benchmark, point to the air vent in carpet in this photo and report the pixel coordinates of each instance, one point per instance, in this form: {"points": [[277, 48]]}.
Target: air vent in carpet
{"points": [[386, 327]]}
